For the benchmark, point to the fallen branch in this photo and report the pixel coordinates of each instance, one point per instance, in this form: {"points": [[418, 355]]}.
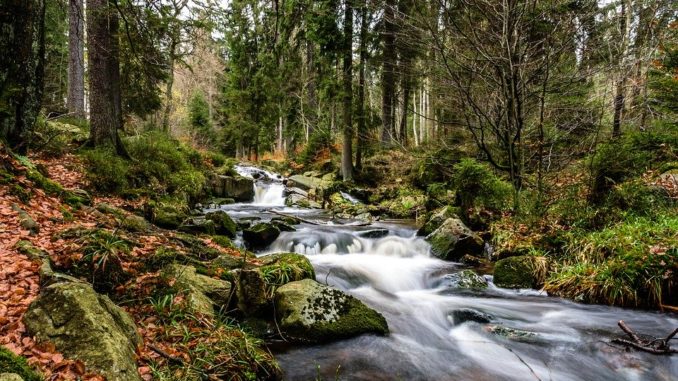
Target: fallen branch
{"points": [[655, 346], [668, 308], [166, 355]]}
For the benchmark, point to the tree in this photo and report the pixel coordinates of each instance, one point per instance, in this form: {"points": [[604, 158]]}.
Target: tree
{"points": [[362, 114], [388, 77], [76, 59], [347, 152], [21, 69], [104, 74], [200, 120]]}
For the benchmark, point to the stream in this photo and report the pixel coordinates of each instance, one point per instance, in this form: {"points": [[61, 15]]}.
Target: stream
{"points": [[390, 269]]}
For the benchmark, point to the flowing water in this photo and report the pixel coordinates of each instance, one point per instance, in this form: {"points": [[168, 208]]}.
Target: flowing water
{"points": [[386, 266]]}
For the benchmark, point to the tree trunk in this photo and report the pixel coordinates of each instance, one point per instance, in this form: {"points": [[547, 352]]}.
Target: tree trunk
{"points": [[104, 79], [361, 84], [388, 74], [347, 151], [619, 98], [168, 89], [76, 59], [312, 96], [22, 61]]}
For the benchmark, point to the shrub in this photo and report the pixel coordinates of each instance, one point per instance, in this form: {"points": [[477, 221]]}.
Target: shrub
{"points": [[477, 186], [320, 141], [633, 263], [106, 171]]}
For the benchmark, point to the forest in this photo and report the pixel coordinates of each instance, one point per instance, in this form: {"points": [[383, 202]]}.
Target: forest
{"points": [[338, 190]]}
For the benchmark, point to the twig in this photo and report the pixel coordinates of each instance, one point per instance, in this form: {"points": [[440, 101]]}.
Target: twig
{"points": [[668, 308], [628, 331], [166, 355], [656, 346], [640, 347]]}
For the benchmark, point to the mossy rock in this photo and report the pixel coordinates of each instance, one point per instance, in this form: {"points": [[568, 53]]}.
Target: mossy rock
{"points": [[204, 294], [281, 268], [309, 311], [452, 240], [466, 280], [252, 292], [524, 271], [126, 221], [17, 365], [196, 247], [289, 220], [86, 326], [437, 219], [198, 225], [260, 235], [165, 215], [223, 223]]}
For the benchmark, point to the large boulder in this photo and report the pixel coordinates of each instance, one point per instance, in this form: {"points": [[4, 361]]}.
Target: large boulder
{"points": [[223, 223], [202, 292], [307, 182], [260, 235], [437, 219], [452, 240], [525, 271], [309, 311], [238, 188], [86, 326]]}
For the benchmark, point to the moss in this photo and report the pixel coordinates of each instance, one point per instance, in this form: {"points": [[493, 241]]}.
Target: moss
{"points": [[24, 195], [196, 247], [223, 241], [125, 220], [357, 317], [28, 249], [168, 213], [11, 363], [520, 272], [282, 268], [224, 224]]}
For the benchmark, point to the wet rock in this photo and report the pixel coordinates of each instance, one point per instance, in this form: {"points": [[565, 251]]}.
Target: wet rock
{"points": [[219, 201], [524, 271], [260, 235], [297, 191], [512, 333], [437, 219], [282, 226], [309, 311], [470, 260], [86, 326], [246, 222], [238, 188], [223, 223], [464, 315], [301, 202], [452, 240], [464, 279], [373, 233], [203, 293], [198, 225]]}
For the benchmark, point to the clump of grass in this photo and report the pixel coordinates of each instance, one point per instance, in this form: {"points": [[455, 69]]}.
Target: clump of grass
{"points": [[633, 263]]}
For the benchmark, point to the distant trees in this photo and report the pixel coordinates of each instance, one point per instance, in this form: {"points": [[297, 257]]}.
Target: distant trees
{"points": [[22, 61]]}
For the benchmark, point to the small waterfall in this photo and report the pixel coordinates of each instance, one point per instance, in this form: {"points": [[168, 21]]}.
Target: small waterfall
{"points": [[268, 187]]}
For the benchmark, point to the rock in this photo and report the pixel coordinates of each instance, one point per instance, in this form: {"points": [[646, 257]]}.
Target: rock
{"points": [[260, 235], [26, 221], [309, 311], [10, 377], [292, 265], [512, 333], [251, 291], [219, 201], [374, 233], [166, 216], [363, 217], [246, 222], [198, 225], [524, 271], [452, 240], [468, 314], [126, 220], [223, 223], [464, 279], [436, 220], [470, 260], [86, 326], [301, 201], [238, 188], [297, 191], [282, 226], [202, 292], [307, 182]]}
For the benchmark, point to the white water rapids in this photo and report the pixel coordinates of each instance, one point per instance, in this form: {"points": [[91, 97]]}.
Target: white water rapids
{"points": [[395, 274]]}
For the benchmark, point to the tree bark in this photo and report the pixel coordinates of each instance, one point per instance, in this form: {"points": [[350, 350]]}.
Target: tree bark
{"points": [[22, 61], [388, 74], [347, 151], [76, 59], [168, 88], [361, 83], [104, 68]]}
